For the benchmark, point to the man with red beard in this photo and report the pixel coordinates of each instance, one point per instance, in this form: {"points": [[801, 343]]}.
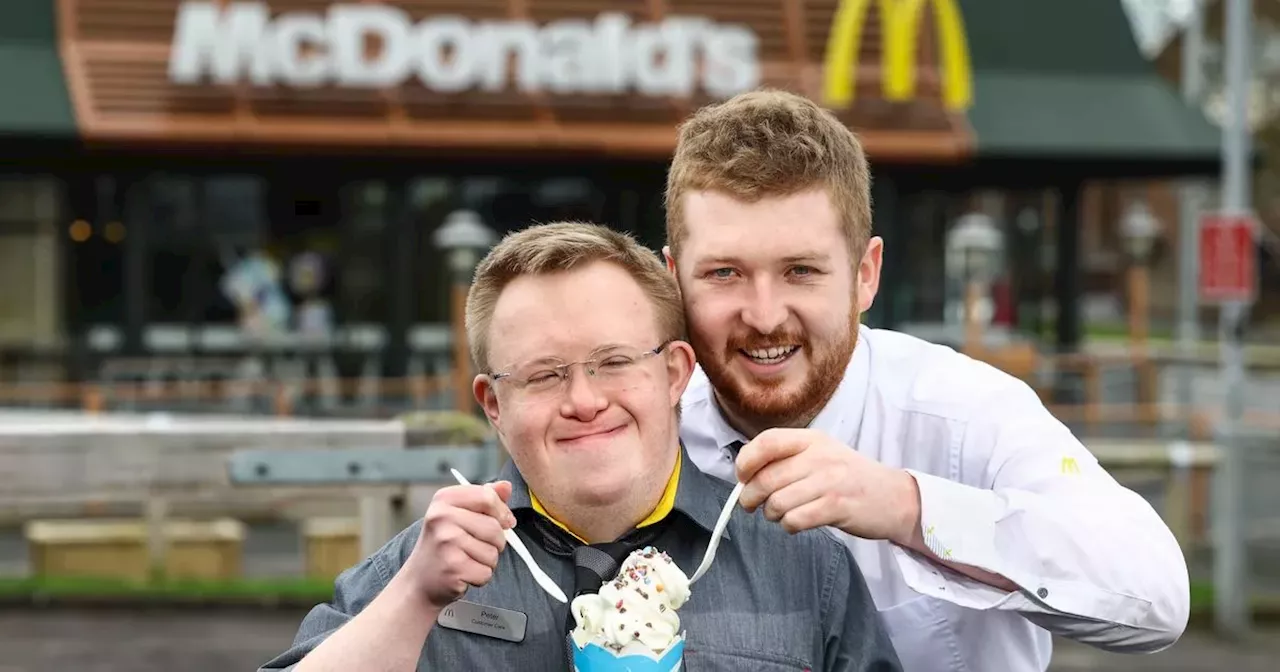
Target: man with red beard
{"points": [[981, 523]]}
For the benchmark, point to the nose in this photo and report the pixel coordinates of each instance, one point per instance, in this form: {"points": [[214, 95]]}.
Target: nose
{"points": [[582, 401], [765, 311]]}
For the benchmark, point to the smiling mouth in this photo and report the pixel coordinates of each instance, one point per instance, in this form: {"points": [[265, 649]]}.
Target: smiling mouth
{"points": [[603, 434], [774, 355]]}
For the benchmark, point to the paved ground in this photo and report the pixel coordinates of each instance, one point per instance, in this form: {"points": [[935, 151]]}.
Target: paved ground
{"points": [[240, 641], [1196, 652], [141, 642]]}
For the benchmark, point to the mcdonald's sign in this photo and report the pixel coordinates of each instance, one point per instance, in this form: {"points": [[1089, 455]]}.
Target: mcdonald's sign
{"points": [[900, 29]]}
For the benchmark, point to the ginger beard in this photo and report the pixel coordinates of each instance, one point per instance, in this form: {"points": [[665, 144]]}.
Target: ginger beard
{"points": [[767, 400]]}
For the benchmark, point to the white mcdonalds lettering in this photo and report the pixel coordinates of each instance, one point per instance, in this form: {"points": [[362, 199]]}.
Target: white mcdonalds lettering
{"points": [[677, 56]]}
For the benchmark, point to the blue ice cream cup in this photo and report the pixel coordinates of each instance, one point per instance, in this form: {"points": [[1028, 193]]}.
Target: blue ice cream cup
{"points": [[596, 658]]}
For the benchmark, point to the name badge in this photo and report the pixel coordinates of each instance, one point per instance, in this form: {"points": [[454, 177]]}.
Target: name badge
{"points": [[479, 619]]}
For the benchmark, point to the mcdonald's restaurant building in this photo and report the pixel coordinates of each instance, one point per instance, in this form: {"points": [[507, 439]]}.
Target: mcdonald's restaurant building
{"points": [[161, 157]]}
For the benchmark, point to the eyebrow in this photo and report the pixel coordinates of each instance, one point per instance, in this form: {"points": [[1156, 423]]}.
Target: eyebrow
{"points": [[807, 258], [606, 348], [552, 359], [719, 261], [546, 360], [814, 258]]}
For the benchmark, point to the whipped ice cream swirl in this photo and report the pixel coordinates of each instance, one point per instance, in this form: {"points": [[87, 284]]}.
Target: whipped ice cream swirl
{"points": [[638, 606]]}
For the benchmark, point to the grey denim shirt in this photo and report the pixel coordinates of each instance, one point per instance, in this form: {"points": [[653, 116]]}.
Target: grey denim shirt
{"points": [[772, 602]]}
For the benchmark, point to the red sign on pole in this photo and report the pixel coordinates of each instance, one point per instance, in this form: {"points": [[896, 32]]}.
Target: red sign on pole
{"points": [[1228, 257]]}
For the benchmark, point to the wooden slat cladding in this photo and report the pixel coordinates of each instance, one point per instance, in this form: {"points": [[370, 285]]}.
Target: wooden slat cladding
{"points": [[818, 17], [472, 9], [765, 19], [116, 57], [422, 103], [543, 11], [124, 20], [322, 103], [137, 86]]}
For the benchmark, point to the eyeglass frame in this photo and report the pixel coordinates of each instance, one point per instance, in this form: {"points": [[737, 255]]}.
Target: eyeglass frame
{"points": [[567, 367]]}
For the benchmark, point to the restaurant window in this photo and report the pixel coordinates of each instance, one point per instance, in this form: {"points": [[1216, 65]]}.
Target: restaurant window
{"points": [[504, 205], [266, 253], [920, 298], [568, 199], [430, 201], [358, 277], [31, 210], [187, 250], [651, 216], [94, 246]]}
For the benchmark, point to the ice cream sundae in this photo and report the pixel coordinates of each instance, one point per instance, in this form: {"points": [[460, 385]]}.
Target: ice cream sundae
{"points": [[633, 615]]}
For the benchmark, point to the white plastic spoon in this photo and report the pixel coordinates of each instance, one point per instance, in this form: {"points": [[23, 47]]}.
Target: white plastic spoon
{"points": [[514, 542], [718, 532]]}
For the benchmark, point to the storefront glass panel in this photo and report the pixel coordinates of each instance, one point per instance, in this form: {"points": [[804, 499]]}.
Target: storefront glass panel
{"points": [[31, 213]]}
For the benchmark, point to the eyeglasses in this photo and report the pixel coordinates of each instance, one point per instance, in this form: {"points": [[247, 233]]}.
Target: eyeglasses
{"points": [[611, 370]]}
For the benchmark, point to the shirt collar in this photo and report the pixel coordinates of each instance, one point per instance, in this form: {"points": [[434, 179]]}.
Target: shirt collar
{"points": [[841, 417], [688, 492]]}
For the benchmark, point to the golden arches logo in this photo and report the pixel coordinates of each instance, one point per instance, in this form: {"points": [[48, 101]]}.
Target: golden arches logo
{"points": [[900, 29]]}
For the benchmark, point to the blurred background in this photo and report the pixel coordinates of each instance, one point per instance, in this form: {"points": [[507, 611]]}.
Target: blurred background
{"points": [[249, 226]]}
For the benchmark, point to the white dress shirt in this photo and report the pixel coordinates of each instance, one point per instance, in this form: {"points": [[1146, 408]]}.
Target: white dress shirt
{"points": [[1004, 487]]}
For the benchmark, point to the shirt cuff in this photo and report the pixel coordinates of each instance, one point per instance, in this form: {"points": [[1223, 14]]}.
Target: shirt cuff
{"points": [[958, 523]]}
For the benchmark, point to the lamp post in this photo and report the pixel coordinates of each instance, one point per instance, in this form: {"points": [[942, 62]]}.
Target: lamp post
{"points": [[463, 238], [978, 245], [1139, 228]]}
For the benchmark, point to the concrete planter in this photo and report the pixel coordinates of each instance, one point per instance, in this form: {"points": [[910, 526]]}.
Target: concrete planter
{"points": [[118, 549], [330, 545]]}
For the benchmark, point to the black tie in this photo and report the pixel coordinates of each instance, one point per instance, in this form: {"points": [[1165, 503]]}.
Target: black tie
{"points": [[735, 447], [593, 564]]}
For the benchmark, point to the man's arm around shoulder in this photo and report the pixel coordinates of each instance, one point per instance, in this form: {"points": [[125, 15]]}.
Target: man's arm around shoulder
{"points": [[856, 639]]}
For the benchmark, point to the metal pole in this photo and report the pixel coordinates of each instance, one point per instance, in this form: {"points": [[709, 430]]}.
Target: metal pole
{"points": [[463, 401], [1191, 201], [1231, 608]]}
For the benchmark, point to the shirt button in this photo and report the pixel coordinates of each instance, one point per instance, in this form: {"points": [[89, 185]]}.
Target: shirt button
{"points": [[1043, 593]]}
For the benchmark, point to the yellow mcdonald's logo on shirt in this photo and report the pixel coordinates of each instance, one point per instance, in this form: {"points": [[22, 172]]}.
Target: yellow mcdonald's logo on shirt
{"points": [[900, 22], [1070, 466]]}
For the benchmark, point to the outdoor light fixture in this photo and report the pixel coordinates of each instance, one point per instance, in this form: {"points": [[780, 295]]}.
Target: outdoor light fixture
{"points": [[464, 238], [1140, 230], [979, 244]]}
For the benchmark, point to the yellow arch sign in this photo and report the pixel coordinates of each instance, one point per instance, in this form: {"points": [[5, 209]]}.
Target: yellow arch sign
{"points": [[900, 27]]}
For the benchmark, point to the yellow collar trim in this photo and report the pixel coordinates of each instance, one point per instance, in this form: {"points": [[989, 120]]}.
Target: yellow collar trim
{"points": [[664, 507]]}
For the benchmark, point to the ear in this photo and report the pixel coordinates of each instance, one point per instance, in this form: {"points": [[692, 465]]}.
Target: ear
{"points": [[671, 261], [868, 280], [482, 388], [680, 360]]}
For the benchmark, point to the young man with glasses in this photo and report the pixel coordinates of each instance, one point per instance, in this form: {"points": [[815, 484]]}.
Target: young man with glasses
{"points": [[580, 332]]}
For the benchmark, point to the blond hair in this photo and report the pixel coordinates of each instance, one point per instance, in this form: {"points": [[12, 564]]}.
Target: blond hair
{"points": [[564, 246], [770, 143]]}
